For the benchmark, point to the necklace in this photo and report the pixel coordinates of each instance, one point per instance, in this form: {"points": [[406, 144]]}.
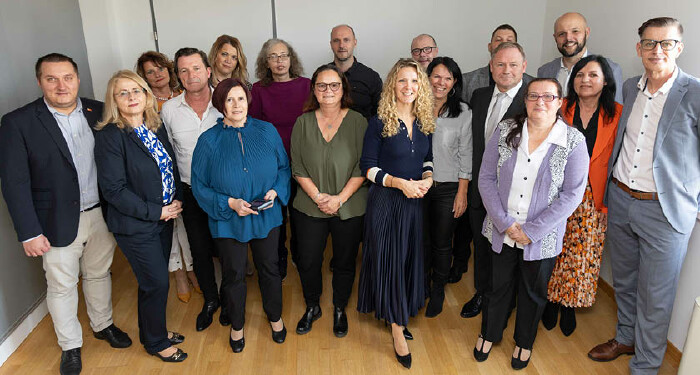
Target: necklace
{"points": [[164, 99], [330, 123]]}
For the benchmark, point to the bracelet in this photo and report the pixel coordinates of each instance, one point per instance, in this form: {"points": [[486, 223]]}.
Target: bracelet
{"points": [[317, 195], [341, 203]]}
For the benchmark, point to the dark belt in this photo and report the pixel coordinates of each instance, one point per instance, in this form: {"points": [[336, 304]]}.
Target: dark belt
{"points": [[636, 194], [438, 183], [91, 208]]}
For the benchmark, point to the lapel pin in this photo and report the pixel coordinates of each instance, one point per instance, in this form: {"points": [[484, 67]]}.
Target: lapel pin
{"points": [[89, 109]]}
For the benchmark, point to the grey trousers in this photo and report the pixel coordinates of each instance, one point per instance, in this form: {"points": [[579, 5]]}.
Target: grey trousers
{"points": [[647, 255], [90, 255]]}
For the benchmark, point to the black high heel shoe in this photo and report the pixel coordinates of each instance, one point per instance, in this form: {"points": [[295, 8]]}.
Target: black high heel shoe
{"points": [[517, 363], [479, 354], [407, 334], [404, 360]]}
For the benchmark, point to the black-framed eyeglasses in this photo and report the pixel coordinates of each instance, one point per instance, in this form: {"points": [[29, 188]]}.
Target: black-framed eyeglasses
{"points": [[322, 87], [124, 94], [532, 97], [417, 51], [666, 44]]}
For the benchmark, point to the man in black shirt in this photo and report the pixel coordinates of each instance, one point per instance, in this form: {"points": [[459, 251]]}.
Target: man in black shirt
{"points": [[366, 83]]}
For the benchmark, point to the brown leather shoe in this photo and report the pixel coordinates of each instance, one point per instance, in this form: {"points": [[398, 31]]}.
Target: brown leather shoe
{"points": [[609, 351]]}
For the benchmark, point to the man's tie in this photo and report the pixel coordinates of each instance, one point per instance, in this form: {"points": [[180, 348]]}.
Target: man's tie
{"points": [[495, 116]]}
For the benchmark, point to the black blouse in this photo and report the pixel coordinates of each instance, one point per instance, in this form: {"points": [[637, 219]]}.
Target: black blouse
{"points": [[590, 131]]}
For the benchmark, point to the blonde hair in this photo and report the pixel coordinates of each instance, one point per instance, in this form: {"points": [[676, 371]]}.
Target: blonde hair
{"points": [[422, 106], [111, 113], [241, 70]]}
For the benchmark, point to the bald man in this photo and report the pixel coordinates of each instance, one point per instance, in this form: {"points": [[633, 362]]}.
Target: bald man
{"points": [[571, 32], [424, 49]]}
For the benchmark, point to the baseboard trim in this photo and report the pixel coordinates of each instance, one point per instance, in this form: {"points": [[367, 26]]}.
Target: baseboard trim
{"points": [[674, 355], [24, 327]]}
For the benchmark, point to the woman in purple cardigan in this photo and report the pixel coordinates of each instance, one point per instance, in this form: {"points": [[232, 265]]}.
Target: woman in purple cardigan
{"points": [[533, 176]]}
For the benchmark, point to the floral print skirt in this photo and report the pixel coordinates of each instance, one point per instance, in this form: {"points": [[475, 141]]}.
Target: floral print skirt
{"points": [[574, 280]]}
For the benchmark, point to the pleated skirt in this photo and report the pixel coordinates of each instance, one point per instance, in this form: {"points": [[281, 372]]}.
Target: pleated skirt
{"points": [[391, 279]]}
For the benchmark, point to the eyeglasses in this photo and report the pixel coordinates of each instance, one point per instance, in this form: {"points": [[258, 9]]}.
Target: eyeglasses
{"points": [[124, 94], [322, 87], [280, 57], [417, 51], [532, 97], [666, 44]]}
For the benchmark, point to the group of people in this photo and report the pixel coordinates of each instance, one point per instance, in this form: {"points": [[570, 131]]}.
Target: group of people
{"points": [[188, 161]]}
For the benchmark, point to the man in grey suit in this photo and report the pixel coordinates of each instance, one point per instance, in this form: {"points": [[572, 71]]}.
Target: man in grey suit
{"points": [[482, 77], [571, 32], [652, 195]]}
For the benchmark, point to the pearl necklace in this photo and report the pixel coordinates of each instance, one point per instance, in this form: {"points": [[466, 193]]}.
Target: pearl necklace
{"points": [[164, 99]]}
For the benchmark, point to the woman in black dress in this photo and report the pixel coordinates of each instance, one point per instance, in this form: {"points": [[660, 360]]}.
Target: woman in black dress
{"points": [[397, 158]]}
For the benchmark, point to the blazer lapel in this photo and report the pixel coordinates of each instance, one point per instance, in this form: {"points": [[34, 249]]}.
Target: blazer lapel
{"points": [[49, 122], [135, 138], [603, 137], [675, 95]]}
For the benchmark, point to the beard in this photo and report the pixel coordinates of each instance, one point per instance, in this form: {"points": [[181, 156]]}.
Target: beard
{"points": [[579, 48]]}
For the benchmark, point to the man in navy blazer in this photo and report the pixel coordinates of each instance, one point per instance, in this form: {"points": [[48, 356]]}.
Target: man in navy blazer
{"points": [[571, 33], [49, 182], [653, 196]]}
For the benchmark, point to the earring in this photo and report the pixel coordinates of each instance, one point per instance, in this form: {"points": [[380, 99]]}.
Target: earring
{"points": [[452, 92]]}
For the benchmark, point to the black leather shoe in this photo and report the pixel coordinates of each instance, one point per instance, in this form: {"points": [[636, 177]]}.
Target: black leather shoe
{"points": [[223, 317], [567, 323], [455, 275], [479, 354], [312, 314], [236, 345], [517, 363], [178, 356], [340, 322], [279, 336], [206, 316], [71, 364], [114, 336], [407, 334], [404, 360], [550, 315], [176, 338], [473, 307]]}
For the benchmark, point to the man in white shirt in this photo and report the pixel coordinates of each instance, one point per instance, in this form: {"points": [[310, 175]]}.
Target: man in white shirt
{"points": [[653, 196], [186, 117], [491, 105], [571, 33]]}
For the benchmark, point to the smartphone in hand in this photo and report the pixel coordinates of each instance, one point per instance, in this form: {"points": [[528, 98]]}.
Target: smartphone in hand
{"points": [[260, 204]]}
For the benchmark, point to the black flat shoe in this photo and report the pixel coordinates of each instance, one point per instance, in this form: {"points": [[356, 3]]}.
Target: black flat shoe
{"points": [[473, 307], [550, 315], [306, 322], [279, 336], [236, 345], [567, 322], [176, 338], [518, 364], [340, 322], [71, 363], [114, 336], [479, 354], [223, 318], [178, 356], [206, 316], [407, 334], [404, 360]]}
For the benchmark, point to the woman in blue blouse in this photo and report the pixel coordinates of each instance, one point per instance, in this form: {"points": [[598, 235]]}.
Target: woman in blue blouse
{"points": [[236, 162], [397, 158], [138, 177]]}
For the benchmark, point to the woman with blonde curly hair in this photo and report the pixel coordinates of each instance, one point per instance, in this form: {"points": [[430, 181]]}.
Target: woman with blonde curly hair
{"points": [[397, 158], [228, 60]]}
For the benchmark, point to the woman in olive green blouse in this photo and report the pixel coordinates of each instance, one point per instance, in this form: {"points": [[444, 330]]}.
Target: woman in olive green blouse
{"points": [[326, 147]]}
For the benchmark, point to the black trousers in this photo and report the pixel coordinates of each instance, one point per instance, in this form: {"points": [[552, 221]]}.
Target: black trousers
{"points": [[482, 250], [532, 278], [201, 244], [312, 236], [148, 255], [461, 243], [234, 255], [438, 228], [282, 247]]}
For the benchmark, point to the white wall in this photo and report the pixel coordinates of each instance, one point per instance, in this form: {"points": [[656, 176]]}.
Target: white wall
{"points": [[118, 31]]}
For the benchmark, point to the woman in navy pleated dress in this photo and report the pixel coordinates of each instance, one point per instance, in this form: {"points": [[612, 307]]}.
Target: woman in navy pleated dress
{"points": [[397, 159]]}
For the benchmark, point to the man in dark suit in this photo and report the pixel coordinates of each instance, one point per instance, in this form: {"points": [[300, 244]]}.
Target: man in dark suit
{"points": [[491, 105], [49, 182]]}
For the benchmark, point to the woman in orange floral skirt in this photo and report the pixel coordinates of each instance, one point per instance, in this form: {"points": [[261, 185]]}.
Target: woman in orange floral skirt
{"points": [[590, 107]]}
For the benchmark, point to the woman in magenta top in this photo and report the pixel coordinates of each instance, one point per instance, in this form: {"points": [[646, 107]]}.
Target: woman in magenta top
{"points": [[278, 98]]}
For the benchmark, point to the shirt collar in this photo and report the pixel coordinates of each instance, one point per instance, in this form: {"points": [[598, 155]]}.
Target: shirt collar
{"points": [[665, 88], [182, 102], [511, 93], [561, 60], [558, 134], [54, 111]]}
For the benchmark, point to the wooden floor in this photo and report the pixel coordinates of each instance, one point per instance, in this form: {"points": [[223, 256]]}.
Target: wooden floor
{"points": [[442, 345]]}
